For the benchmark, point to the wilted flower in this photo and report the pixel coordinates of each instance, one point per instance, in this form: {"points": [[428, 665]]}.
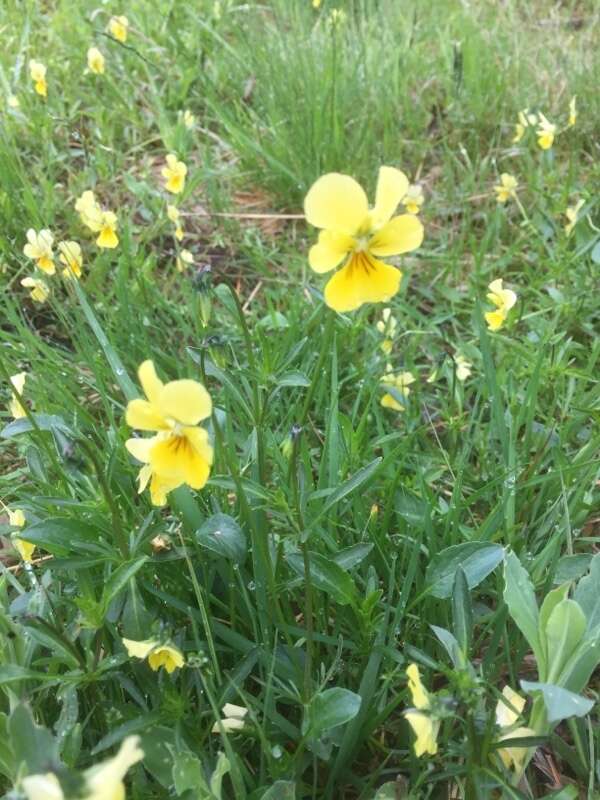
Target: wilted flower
{"points": [[507, 714], [184, 260], [425, 727], [95, 61], [189, 120], [387, 327], [180, 452], [354, 233], [174, 174], [413, 199], [98, 220], [39, 289], [545, 133], [18, 383], [506, 189], [118, 27], [572, 215], [39, 248], [463, 367], [503, 299], [71, 257], [37, 70], [572, 111], [233, 719], [399, 384], [158, 655], [25, 549]]}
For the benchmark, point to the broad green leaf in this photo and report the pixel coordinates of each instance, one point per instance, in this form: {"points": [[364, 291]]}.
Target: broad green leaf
{"points": [[216, 779], [560, 703], [188, 774], [120, 578], [477, 560], [281, 790], [293, 379], [44, 422], [587, 595], [410, 506], [450, 645], [571, 568], [327, 576], [331, 708], [551, 600], [11, 673], [576, 673], [564, 631], [60, 535], [31, 744], [222, 535], [353, 555], [522, 605]]}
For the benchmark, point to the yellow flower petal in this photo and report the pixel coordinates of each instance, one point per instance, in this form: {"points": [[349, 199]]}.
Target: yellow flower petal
{"points": [[419, 695], [336, 202], [185, 401], [42, 787], [25, 549], [400, 235], [388, 401], [105, 781], [139, 649], [166, 656], [330, 249], [151, 383], [505, 715], [515, 756], [177, 458], [140, 448], [107, 238], [426, 730], [392, 185], [144, 416], [495, 319], [363, 280]]}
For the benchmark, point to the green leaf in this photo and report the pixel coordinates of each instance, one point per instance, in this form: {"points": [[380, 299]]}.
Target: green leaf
{"points": [[560, 703], [293, 379], [587, 595], [60, 535], [551, 600], [327, 576], [351, 485], [564, 631], [120, 578], [44, 422], [477, 560], [32, 745], [188, 774], [353, 555], [571, 568], [462, 613], [331, 708], [281, 790], [216, 779], [222, 535], [11, 673], [451, 646], [576, 673], [410, 507], [522, 605]]}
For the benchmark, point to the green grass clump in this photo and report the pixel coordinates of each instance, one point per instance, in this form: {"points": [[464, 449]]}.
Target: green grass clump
{"points": [[337, 541]]}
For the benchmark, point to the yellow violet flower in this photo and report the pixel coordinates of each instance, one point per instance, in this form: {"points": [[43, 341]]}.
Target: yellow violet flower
{"points": [[463, 367], [39, 248], [17, 382], [572, 111], [353, 233], [102, 782], [175, 217], [98, 220], [413, 199], [572, 215], [39, 289], [506, 189], [233, 719], [95, 61], [71, 257], [25, 549], [399, 383], [184, 259], [507, 714], [387, 326], [189, 120], [503, 299], [545, 133], [158, 655], [180, 452], [37, 70], [424, 726], [174, 174], [119, 27]]}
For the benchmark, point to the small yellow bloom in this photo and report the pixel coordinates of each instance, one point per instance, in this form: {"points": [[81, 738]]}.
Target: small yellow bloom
{"points": [[180, 452], [398, 383], [17, 382], [174, 215], [184, 259], [158, 655], [506, 189], [12, 101], [387, 326], [463, 367], [25, 549], [519, 132], [71, 257], [233, 719], [159, 486], [413, 199], [507, 714], [95, 61], [39, 248], [425, 727], [118, 27], [174, 174], [572, 215], [545, 133], [504, 300], [572, 111], [37, 70], [98, 220], [39, 289], [189, 120], [316, 3], [357, 235]]}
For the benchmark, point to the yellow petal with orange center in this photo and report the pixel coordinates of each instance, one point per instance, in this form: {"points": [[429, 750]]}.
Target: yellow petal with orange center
{"points": [[363, 280], [392, 185], [185, 401], [176, 458], [400, 235], [336, 202], [330, 249]]}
